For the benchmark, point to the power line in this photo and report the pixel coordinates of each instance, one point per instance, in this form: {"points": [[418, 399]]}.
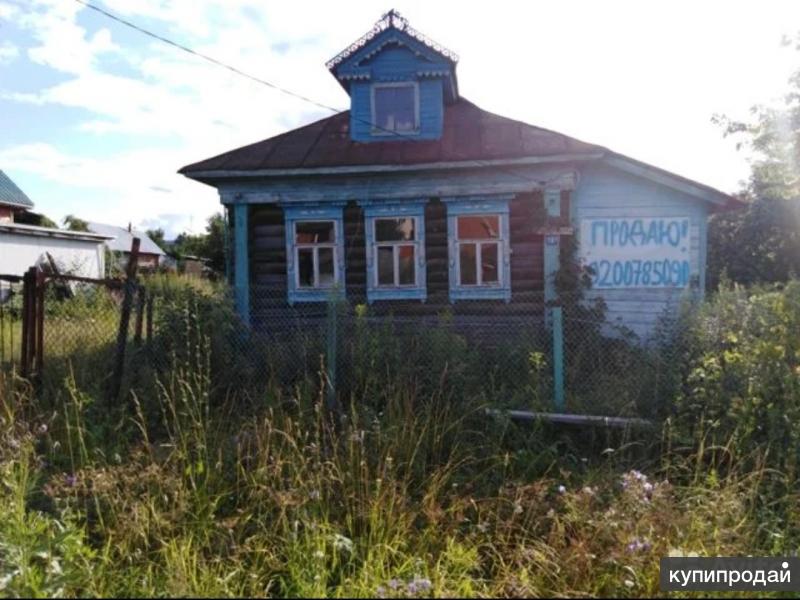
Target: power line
{"points": [[274, 86], [206, 57]]}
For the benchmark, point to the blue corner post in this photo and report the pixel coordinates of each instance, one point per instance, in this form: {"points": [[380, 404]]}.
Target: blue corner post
{"points": [[558, 359], [241, 270]]}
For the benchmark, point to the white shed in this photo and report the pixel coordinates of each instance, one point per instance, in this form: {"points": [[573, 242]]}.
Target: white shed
{"points": [[74, 252]]}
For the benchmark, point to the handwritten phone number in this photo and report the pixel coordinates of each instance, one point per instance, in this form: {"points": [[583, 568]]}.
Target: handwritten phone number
{"points": [[640, 273]]}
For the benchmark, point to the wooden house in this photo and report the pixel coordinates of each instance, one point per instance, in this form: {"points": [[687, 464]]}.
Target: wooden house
{"points": [[416, 200]]}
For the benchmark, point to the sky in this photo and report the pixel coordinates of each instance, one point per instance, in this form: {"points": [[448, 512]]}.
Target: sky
{"points": [[96, 119]]}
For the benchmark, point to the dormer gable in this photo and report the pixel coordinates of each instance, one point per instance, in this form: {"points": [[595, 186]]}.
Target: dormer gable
{"points": [[398, 81]]}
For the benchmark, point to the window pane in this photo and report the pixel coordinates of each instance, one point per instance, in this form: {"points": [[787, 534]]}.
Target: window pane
{"points": [[467, 260], [305, 266], [482, 227], [395, 108], [385, 265], [489, 256], [326, 272], [394, 230], [406, 265], [314, 232]]}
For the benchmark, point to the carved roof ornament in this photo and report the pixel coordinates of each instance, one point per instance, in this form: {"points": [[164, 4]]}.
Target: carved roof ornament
{"points": [[390, 20]]}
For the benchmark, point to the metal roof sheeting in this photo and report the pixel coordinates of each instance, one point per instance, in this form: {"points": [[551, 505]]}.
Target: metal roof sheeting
{"points": [[469, 133], [65, 234], [122, 238], [11, 195]]}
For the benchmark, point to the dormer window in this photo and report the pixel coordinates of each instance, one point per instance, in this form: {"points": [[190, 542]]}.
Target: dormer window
{"points": [[395, 108]]}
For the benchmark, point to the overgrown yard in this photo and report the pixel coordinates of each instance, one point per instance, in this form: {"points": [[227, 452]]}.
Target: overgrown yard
{"points": [[213, 477]]}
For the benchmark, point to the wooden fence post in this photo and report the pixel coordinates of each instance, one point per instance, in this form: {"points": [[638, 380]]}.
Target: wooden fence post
{"points": [[39, 280], [124, 321], [558, 359], [26, 324]]}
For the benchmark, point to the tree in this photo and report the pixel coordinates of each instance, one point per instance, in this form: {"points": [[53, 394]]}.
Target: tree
{"points": [[27, 217], [73, 223], [157, 235], [761, 243], [215, 242], [210, 245]]}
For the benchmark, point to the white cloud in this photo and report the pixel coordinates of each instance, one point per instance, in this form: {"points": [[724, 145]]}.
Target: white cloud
{"points": [[8, 52], [137, 185]]}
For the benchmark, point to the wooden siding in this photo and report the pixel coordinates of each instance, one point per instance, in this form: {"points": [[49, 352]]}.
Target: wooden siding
{"points": [[431, 113], [267, 251], [610, 193], [397, 64]]}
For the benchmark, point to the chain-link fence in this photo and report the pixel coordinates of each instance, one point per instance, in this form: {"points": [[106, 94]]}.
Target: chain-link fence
{"points": [[10, 322], [508, 355]]}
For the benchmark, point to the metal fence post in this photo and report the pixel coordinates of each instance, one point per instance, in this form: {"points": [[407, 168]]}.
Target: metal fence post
{"points": [[558, 359]]}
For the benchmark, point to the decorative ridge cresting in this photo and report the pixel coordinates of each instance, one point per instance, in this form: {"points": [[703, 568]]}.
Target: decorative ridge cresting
{"points": [[391, 20]]}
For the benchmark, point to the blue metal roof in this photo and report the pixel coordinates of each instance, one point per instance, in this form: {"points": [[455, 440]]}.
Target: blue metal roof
{"points": [[11, 195]]}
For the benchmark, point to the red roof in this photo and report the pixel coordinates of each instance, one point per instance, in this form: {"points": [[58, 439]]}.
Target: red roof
{"points": [[470, 133]]}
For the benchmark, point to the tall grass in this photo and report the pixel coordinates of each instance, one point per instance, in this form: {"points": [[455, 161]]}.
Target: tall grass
{"points": [[203, 485]]}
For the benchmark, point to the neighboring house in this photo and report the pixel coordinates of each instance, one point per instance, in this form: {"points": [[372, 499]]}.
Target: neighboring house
{"points": [[416, 200], [187, 264], [121, 241], [23, 246], [12, 199]]}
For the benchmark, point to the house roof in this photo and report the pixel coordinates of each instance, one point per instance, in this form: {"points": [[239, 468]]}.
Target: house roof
{"points": [[120, 239], [11, 195], [471, 136], [469, 133], [65, 234], [390, 20]]}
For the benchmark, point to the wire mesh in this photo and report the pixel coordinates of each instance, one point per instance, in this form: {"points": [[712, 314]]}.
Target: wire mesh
{"points": [[490, 350]]}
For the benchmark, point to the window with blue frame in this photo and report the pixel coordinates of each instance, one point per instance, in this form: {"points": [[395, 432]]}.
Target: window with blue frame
{"points": [[395, 236], [395, 108], [479, 247], [314, 251]]}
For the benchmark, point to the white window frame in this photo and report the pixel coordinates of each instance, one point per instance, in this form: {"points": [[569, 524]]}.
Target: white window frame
{"points": [[301, 213], [479, 243], [315, 247], [395, 246], [488, 206], [376, 128], [375, 211]]}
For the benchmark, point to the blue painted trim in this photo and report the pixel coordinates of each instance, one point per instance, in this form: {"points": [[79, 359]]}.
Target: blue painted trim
{"points": [[478, 205], [314, 212], [558, 360], [242, 263], [703, 256], [552, 245], [375, 210]]}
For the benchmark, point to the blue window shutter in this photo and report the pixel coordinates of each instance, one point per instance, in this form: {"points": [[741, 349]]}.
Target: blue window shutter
{"points": [[482, 205]]}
